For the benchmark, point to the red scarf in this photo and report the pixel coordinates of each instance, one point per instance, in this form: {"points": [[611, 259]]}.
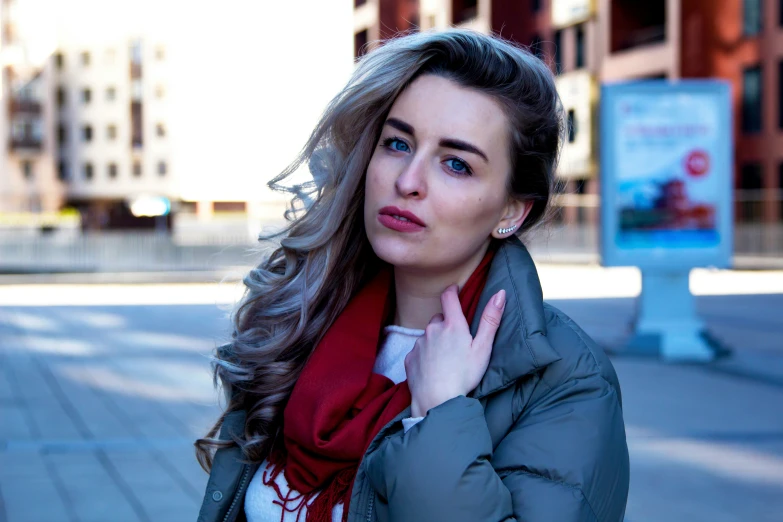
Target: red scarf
{"points": [[338, 404]]}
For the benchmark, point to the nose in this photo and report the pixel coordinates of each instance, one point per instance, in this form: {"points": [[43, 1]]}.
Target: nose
{"points": [[412, 182]]}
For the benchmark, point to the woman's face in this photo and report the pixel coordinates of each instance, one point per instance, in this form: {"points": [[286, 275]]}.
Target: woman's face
{"points": [[436, 186]]}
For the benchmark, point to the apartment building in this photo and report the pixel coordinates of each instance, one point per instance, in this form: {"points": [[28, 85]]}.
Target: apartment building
{"points": [[742, 41], [27, 177], [589, 42], [112, 129]]}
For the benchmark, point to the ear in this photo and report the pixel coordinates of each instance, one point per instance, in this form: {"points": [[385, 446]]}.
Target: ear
{"points": [[513, 216]]}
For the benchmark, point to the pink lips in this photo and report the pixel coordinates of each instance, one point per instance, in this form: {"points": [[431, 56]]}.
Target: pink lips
{"points": [[390, 217]]}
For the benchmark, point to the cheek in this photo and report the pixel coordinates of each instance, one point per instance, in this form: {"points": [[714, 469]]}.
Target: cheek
{"points": [[465, 213], [370, 184], [374, 181]]}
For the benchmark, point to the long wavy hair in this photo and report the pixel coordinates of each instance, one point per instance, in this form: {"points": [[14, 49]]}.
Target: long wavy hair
{"points": [[294, 295]]}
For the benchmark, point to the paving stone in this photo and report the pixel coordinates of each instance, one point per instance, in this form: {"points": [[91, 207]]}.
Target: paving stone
{"points": [[30, 491], [97, 492]]}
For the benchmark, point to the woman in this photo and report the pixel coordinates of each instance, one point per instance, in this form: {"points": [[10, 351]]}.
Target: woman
{"points": [[393, 359]]}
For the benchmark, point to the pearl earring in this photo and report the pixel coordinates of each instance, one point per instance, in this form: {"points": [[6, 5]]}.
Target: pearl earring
{"points": [[506, 230]]}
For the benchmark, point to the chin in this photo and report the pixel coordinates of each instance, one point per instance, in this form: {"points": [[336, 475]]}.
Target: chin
{"points": [[396, 252]]}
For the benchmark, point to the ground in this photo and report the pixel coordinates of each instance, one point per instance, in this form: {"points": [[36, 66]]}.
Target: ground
{"points": [[103, 389]]}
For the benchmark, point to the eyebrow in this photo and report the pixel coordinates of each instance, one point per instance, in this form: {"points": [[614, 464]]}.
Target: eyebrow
{"points": [[450, 143]]}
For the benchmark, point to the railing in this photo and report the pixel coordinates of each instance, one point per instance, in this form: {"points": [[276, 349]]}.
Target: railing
{"points": [[572, 236], [118, 252], [25, 142], [21, 105], [574, 232]]}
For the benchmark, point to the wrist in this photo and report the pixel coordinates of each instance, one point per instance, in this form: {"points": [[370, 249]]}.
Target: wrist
{"points": [[419, 408]]}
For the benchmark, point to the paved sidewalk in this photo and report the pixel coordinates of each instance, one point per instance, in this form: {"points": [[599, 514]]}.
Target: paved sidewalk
{"points": [[100, 407], [102, 395]]}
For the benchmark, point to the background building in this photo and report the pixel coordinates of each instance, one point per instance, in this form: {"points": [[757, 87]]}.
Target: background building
{"points": [[588, 42], [28, 180], [124, 102], [112, 125]]}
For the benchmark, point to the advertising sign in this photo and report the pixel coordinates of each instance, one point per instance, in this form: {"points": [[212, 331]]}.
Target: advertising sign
{"points": [[666, 166], [571, 12]]}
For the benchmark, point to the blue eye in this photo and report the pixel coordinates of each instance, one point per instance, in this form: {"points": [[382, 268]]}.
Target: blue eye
{"points": [[396, 144], [458, 166]]}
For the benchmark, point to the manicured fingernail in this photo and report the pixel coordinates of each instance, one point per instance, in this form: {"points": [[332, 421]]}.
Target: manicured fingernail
{"points": [[500, 299]]}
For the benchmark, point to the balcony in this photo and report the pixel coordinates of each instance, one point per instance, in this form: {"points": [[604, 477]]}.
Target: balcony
{"points": [[637, 24], [464, 11], [30, 143], [24, 106], [641, 37]]}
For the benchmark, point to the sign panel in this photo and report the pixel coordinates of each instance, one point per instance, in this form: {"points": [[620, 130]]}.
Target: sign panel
{"points": [[578, 93], [666, 166], [571, 12]]}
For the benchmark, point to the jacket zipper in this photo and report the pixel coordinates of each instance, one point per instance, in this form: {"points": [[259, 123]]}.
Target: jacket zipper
{"points": [[245, 474], [369, 508]]}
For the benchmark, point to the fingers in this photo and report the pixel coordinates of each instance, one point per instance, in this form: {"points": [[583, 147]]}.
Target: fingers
{"points": [[490, 320], [449, 301], [437, 318]]}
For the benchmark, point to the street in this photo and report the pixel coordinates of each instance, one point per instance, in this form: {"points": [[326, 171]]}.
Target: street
{"points": [[104, 388]]}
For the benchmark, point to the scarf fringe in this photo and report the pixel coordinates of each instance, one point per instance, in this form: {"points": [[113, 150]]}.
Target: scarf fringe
{"points": [[319, 503]]}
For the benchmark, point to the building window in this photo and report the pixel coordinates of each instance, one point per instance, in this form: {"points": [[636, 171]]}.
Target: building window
{"points": [[86, 95], [751, 17], [160, 130], [137, 169], [112, 170], [360, 43], [111, 132], [634, 23], [558, 52], [59, 60], [62, 134], [780, 189], [88, 171], [536, 47], [751, 100], [359, 3], [85, 58], [580, 46], [752, 183], [572, 128], [464, 10], [137, 127], [62, 171], [229, 206], [160, 53], [61, 96], [111, 93], [87, 133], [135, 52], [27, 169], [780, 91], [160, 91], [137, 90], [162, 168]]}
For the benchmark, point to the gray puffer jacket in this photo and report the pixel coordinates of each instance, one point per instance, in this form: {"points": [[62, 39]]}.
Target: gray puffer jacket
{"points": [[541, 439]]}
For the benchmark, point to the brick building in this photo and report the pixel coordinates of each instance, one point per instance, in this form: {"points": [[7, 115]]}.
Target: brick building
{"points": [[587, 42]]}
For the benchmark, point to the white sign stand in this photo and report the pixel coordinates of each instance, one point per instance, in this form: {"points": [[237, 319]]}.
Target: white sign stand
{"points": [[666, 321], [666, 203]]}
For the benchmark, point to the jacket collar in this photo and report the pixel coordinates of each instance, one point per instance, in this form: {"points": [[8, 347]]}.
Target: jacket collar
{"points": [[521, 346]]}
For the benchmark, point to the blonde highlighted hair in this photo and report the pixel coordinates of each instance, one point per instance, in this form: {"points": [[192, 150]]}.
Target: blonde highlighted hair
{"points": [[324, 256]]}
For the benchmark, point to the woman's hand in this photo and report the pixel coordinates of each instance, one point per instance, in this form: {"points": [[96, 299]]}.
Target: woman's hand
{"points": [[447, 361]]}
